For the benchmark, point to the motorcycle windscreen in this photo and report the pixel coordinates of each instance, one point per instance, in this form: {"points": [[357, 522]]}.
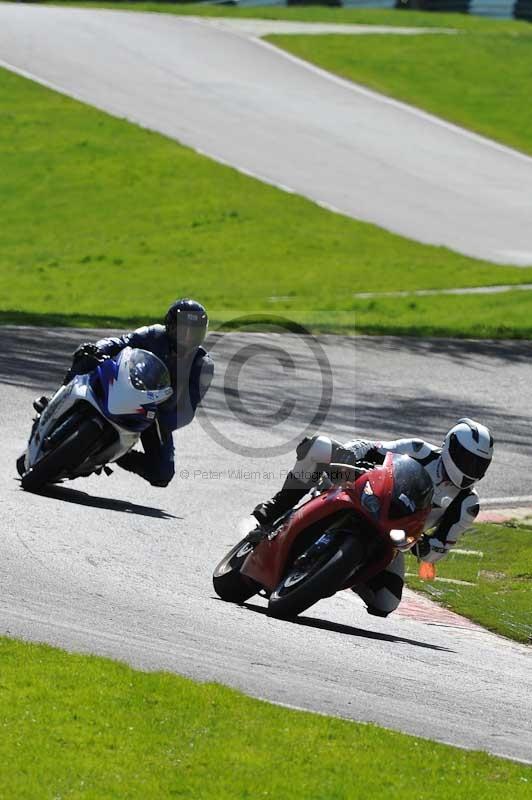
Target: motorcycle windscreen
{"points": [[412, 488], [142, 381], [147, 373]]}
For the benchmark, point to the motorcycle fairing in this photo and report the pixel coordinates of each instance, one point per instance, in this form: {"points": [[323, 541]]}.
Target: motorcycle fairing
{"points": [[135, 372], [266, 562], [121, 402], [123, 397], [102, 382], [78, 391], [379, 483], [61, 402]]}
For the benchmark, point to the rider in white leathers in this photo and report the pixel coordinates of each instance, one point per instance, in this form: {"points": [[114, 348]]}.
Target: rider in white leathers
{"points": [[454, 468]]}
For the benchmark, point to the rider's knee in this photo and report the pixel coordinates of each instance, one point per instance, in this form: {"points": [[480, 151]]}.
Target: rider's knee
{"points": [[315, 449], [313, 455]]}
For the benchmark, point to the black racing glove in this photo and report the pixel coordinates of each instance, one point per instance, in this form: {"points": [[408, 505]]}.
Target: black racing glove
{"points": [[85, 350], [421, 547], [342, 455], [359, 451], [86, 358]]}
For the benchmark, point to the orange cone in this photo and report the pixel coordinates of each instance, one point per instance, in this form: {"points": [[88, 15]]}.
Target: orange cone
{"points": [[427, 572]]}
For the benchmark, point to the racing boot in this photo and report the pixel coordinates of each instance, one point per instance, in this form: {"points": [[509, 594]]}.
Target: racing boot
{"points": [[133, 461], [291, 492], [40, 403]]}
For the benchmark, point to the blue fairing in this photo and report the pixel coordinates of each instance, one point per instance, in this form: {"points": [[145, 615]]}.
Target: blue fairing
{"points": [[100, 380]]}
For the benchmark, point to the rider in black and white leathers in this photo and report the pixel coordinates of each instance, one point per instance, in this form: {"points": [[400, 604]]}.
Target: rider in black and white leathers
{"points": [[466, 454], [453, 509]]}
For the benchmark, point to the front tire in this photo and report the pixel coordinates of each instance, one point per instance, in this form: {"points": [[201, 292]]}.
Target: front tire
{"points": [[227, 580], [66, 456], [21, 468], [303, 587]]}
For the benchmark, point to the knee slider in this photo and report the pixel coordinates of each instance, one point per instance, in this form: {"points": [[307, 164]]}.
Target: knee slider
{"points": [[162, 475], [377, 612]]}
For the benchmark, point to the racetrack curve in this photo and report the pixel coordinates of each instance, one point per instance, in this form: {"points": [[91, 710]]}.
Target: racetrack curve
{"points": [[115, 567], [240, 100]]}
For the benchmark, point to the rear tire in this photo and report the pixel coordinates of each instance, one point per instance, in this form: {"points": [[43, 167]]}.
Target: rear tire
{"points": [[66, 456], [227, 580], [298, 591]]}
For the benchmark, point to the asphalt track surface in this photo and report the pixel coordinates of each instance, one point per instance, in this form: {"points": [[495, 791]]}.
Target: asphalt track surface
{"points": [[267, 113], [115, 567]]}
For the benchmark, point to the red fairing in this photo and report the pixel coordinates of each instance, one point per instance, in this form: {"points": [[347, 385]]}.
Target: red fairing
{"points": [[266, 563], [368, 497], [381, 482]]}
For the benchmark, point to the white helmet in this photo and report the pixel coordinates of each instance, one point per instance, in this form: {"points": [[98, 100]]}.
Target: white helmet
{"points": [[466, 452]]}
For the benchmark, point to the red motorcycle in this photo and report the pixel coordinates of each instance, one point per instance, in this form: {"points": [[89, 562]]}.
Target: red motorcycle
{"points": [[347, 533]]}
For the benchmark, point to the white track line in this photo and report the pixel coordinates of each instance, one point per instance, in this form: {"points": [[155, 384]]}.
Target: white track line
{"points": [[467, 290], [48, 84], [354, 87], [507, 502], [381, 98], [24, 73], [292, 707], [305, 65], [443, 580]]}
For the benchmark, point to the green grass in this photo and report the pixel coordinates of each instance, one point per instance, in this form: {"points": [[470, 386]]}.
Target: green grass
{"points": [[501, 598], [479, 79], [104, 222], [313, 13], [503, 316], [83, 727]]}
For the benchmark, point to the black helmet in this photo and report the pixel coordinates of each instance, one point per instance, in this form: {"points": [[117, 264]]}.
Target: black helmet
{"points": [[186, 325]]}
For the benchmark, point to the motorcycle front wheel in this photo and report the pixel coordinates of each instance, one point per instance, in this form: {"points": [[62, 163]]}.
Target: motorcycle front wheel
{"points": [[303, 585], [228, 583], [65, 456]]}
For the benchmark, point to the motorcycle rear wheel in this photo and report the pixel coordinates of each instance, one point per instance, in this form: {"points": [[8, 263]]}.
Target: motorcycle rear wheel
{"points": [[300, 589], [227, 580], [68, 454]]}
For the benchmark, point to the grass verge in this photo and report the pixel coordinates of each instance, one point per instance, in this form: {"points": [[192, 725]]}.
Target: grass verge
{"points": [[310, 13], [103, 222], [507, 316], [501, 597], [84, 727], [480, 78]]}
